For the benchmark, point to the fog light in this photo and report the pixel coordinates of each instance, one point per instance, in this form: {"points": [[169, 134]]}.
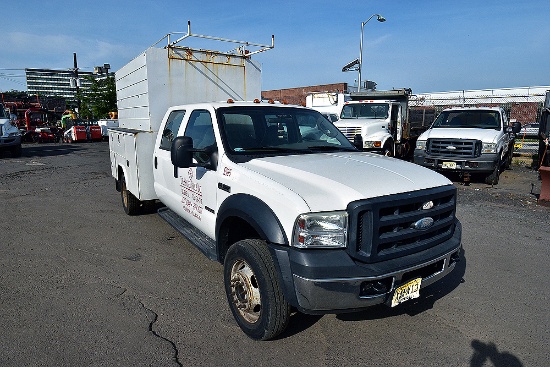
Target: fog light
{"points": [[454, 258], [376, 287]]}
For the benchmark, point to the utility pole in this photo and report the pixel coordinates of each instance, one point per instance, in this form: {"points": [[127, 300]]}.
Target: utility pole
{"points": [[76, 81]]}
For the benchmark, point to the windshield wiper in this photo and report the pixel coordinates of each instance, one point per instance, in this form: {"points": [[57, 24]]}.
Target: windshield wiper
{"points": [[330, 147], [269, 149]]}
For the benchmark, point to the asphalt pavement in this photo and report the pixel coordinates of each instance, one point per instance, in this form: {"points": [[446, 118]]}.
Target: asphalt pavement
{"points": [[83, 284]]}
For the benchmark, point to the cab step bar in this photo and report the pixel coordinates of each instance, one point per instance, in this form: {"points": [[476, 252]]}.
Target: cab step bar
{"points": [[206, 245]]}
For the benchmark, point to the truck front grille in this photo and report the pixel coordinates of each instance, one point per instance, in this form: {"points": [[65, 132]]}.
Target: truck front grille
{"points": [[350, 131], [454, 147], [393, 226]]}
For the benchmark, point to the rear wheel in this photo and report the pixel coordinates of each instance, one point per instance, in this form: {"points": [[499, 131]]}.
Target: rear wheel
{"points": [[130, 203], [253, 290]]}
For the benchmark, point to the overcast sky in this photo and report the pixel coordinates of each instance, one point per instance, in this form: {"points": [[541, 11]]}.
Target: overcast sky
{"points": [[426, 45]]}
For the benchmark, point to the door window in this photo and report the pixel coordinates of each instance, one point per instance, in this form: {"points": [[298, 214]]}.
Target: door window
{"points": [[171, 129], [200, 129]]}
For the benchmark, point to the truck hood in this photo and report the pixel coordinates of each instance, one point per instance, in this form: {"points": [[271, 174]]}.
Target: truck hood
{"points": [[485, 135], [329, 181]]}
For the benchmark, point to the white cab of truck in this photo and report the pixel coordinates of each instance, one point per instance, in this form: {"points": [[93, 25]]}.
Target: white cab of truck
{"points": [[299, 218], [468, 140], [378, 121]]}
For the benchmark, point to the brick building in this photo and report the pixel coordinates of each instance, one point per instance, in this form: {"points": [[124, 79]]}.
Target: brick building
{"points": [[298, 95]]}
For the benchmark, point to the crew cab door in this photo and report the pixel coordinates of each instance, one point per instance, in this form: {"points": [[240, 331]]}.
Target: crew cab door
{"points": [[163, 172], [191, 192]]}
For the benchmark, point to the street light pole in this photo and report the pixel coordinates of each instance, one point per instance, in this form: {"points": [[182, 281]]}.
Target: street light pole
{"points": [[380, 19]]}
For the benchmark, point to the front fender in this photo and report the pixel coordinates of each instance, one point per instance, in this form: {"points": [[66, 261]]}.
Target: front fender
{"points": [[381, 136], [256, 213]]}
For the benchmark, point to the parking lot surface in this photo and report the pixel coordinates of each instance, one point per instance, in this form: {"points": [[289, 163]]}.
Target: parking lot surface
{"points": [[83, 284]]}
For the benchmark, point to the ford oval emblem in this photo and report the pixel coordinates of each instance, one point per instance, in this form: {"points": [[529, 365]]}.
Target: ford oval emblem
{"points": [[450, 147], [423, 224]]}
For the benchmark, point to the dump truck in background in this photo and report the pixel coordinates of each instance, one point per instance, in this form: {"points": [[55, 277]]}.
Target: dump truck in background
{"points": [[377, 121]]}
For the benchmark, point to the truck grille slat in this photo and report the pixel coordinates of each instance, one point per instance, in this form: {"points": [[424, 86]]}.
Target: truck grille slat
{"points": [[454, 147], [384, 228], [350, 131]]}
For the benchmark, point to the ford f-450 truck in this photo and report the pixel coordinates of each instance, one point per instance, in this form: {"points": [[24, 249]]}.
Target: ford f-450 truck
{"points": [[299, 218], [468, 140]]}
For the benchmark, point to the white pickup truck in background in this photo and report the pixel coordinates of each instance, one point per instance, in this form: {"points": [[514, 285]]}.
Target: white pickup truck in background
{"points": [[468, 140], [297, 215]]}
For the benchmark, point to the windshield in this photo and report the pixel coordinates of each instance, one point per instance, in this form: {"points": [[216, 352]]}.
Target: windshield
{"points": [[481, 119], [365, 110], [250, 130]]}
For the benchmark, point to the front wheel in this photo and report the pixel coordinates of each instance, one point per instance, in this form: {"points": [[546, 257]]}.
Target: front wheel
{"points": [[509, 157], [253, 290], [388, 150], [492, 179]]}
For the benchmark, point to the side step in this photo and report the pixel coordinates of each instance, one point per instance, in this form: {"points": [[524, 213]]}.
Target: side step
{"points": [[192, 234]]}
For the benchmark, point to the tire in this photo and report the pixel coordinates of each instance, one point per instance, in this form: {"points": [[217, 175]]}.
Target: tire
{"points": [[509, 157], [130, 203], [388, 150], [253, 290], [492, 179]]}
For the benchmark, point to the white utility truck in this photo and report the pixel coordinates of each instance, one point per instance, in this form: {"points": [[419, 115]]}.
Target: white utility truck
{"points": [[296, 214], [10, 136], [467, 141], [105, 125], [327, 102]]}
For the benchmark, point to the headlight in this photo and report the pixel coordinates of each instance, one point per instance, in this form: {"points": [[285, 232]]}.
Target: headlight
{"points": [[489, 148], [321, 230], [421, 144], [372, 144]]}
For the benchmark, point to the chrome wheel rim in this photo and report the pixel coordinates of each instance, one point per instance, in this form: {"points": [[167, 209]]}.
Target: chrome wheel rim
{"points": [[245, 291]]}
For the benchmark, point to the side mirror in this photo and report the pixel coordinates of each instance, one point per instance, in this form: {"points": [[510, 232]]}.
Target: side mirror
{"points": [[181, 153], [515, 128]]}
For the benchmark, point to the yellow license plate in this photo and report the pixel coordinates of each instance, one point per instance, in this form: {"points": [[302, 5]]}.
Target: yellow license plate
{"points": [[406, 292], [448, 165]]}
